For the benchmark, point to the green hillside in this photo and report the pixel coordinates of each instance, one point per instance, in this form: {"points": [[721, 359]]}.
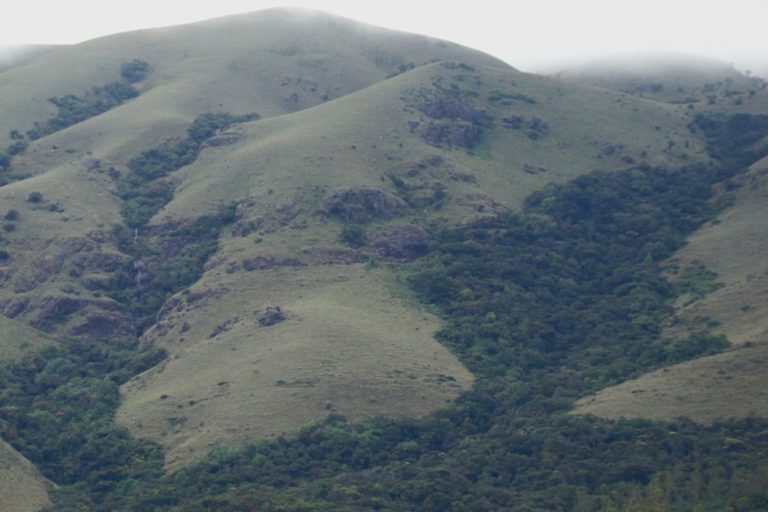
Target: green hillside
{"points": [[22, 487], [673, 78], [20, 55], [731, 301], [285, 171], [287, 261]]}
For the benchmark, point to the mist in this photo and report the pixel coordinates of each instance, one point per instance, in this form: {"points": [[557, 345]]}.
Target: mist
{"points": [[12, 55]]}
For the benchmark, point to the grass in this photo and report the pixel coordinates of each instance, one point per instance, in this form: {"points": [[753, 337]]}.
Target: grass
{"points": [[17, 338], [22, 487], [334, 116], [360, 138], [719, 387], [674, 78], [346, 346], [725, 385]]}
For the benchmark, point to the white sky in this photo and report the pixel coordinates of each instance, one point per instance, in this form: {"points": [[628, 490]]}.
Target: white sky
{"points": [[528, 34]]}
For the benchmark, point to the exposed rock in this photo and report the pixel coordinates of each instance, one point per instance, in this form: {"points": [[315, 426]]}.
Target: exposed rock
{"points": [[14, 307], [438, 105], [339, 257], [225, 138], [452, 134], [271, 316], [401, 243], [252, 215], [24, 283], [413, 169], [174, 303], [101, 262], [56, 310], [361, 205], [99, 318], [267, 262], [102, 324]]}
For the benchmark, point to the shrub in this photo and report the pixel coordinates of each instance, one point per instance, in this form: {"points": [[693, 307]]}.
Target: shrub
{"points": [[135, 71], [353, 236]]}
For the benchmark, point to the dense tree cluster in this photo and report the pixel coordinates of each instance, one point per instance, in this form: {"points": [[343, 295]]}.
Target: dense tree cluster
{"points": [[544, 307], [73, 109]]}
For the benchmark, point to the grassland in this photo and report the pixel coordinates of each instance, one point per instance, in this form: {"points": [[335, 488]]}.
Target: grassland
{"points": [[17, 338], [346, 346], [282, 170], [340, 107], [673, 78], [729, 384], [22, 487]]}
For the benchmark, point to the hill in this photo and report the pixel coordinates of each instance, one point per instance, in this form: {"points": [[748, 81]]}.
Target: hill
{"points": [[20, 55], [22, 487], [733, 304], [287, 261], [438, 143], [673, 78]]}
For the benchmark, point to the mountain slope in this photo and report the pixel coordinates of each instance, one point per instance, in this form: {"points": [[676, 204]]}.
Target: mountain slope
{"points": [[439, 144], [725, 385], [673, 78], [289, 174], [310, 264], [22, 487]]}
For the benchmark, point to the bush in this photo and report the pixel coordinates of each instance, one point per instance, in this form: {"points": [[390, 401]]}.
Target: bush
{"points": [[135, 71], [353, 236]]}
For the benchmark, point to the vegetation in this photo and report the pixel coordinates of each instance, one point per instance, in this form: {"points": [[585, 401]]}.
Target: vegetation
{"points": [[74, 109], [732, 139], [164, 264], [353, 235], [144, 191], [135, 71], [173, 257], [57, 409], [544, 307]]}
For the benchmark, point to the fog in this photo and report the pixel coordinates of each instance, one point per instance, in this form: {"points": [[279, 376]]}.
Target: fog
{"points": [[537, 36]]}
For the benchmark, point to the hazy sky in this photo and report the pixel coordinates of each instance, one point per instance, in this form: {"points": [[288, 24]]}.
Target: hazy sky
{"points": [[528, 34]]}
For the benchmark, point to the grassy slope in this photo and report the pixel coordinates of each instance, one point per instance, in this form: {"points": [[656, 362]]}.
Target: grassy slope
{"points": [[20, 55], [285, 166], [339, 333], [347, 346], [17, 338], [264, 59], [22, 487], [262, 62], [664, 77], [726, 385], [272, 62], [364, 136], [58, 245]]}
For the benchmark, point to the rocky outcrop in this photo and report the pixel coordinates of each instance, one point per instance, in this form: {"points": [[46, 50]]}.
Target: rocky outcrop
{"points": [[363, 204], [94, 318], [400, 243], [268, 262]]}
